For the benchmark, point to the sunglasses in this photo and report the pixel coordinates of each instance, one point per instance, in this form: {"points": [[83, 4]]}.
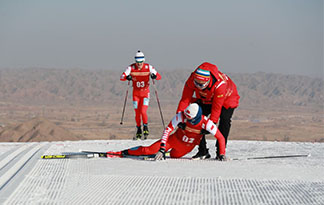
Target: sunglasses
{"points": [[201, 85]]}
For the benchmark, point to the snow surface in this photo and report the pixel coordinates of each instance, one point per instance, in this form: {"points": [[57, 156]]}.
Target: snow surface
{"points": [[25, 178]]}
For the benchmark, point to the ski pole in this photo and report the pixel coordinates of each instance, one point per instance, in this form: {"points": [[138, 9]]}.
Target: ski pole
{"points": [[273, 157], [122, 117], [157, 99]]}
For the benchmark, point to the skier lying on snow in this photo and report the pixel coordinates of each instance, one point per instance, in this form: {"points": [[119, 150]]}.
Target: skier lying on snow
{"points": [[192, 125]]}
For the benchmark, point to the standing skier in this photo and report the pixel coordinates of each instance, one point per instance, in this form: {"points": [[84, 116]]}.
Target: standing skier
{"points": [[139, 73], [217, 95], [192, 124]]}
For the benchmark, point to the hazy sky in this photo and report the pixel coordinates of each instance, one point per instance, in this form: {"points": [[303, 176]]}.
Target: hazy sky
{"points": [[277, 36]]}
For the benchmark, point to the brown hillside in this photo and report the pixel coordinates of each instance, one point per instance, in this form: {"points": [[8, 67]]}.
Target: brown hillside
{"points": [[36, 86], [36, 130]]}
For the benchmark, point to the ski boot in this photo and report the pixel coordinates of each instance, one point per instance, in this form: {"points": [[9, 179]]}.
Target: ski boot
{"points": [[145, 131], [202, 154], [138, 135], [112, 154]]}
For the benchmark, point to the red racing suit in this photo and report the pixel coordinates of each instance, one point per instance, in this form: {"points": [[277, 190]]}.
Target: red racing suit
{"points": [[181, 142], [221, 92], [141, 92]]}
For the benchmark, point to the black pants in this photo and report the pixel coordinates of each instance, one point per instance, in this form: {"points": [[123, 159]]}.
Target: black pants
{"points": [[224, 126]]}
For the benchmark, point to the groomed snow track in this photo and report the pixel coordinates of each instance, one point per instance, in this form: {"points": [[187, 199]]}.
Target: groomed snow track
{"points": [[25, 178]]}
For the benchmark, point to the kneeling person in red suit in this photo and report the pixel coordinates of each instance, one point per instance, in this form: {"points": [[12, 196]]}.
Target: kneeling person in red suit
{"points": [[190, 126]]}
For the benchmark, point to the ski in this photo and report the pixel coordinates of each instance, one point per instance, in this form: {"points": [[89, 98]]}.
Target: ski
{"points": [[111, 155], [69, 156], [89, 154]]}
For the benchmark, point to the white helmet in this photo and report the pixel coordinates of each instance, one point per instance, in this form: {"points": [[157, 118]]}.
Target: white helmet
{"points": [[139, 57], [191, 111]]}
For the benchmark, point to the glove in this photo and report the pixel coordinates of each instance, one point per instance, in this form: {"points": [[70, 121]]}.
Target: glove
{"points": [[182, 125], [129, 77], [153, 76], [204, 132], [160, 155], [221, 158]]}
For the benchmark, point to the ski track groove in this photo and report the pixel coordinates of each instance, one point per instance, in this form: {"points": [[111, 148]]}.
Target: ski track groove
{"points": [[12, 171], [4, 161]]}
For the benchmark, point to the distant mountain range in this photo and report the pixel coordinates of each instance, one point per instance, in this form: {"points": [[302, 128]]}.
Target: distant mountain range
{"points": [[90, 87], [36, 130]]}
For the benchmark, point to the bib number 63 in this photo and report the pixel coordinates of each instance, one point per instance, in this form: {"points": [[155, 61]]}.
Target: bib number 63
{"points": [[187, 139]]}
